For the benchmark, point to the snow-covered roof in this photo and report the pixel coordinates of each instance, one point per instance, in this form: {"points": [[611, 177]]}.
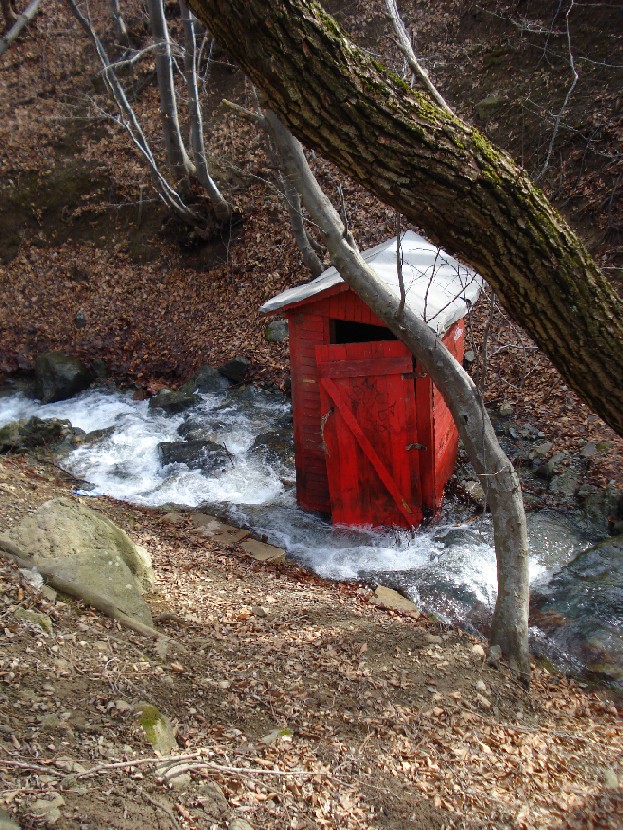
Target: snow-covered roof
{"points": [[438, 288]]}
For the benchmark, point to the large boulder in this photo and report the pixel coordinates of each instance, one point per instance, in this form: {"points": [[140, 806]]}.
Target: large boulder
{"points": [[277, 445], [19, 436], [235, 370], [59, 376], [173, 402], [207, 380], [85, 548], [194, 429], [197, 455]]}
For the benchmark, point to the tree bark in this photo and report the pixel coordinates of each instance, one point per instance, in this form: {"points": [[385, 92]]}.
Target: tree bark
{"points": [[510, 620], [179, 161], [129, 122], [222, 211], [20, 22], [440, 173]]}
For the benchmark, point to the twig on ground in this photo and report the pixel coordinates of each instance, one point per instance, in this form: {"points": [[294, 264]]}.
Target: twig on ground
{"points": [[164, 809]]}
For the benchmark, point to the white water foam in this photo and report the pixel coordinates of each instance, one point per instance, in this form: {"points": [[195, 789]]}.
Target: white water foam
{"points": [[125, 464]]}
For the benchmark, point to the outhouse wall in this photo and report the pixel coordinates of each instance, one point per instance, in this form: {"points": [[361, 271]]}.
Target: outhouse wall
{"points": [[309, 324]]}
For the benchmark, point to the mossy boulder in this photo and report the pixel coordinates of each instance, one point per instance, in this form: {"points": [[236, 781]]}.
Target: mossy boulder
{"points": [[197, 455], [85, 548], [22, 435]]}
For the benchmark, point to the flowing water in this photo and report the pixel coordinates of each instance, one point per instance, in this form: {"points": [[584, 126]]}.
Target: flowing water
{"points": [[448, 568]]}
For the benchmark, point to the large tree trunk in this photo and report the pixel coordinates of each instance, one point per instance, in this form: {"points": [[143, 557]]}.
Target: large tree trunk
{"points": [[441, 174], [509, 628]]}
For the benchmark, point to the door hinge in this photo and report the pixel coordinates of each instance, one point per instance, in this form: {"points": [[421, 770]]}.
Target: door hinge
{"points": [[414, 375], [416, 446]]}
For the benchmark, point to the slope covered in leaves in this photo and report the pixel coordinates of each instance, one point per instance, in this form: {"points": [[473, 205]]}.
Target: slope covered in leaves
{"points": [[296, 704]]}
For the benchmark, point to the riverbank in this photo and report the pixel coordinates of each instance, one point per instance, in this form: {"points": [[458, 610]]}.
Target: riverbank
{"points": [[297, 703]]}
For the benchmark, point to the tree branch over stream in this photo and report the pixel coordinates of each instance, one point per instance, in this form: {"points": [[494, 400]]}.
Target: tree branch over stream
{"points": [[439, 172]]}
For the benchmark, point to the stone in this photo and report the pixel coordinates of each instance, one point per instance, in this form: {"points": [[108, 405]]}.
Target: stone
{"points": [[29, 615], [49, 593], [277, 445], [481, 686], [85, 548], [487, 107], [589, 449], [59, 376], [565, 484], [546, 471], [171, 402], [475, 491], [505, 410], [6, 822], [213, 528], [180, 780], [263, 552], [388, 598], [173, 518], [276, 331], [478, 650], [157, 728], [34, 432], [196, 455], [541, 450], [48, 809], [610, 779], [212, 800], [494, 656], [10, 436], [207, 380], [259, 611], [602, 507], [239, 824], [581, 606], [235, 370]]}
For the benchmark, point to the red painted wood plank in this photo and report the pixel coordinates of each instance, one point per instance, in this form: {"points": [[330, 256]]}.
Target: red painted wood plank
{"points": [[364, 368], [383, 473]]}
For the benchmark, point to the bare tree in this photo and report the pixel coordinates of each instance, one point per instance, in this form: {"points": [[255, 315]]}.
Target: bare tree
{"points": [[179, 161], [442, 174], [128, 120], [185, 167], [121, 30], [510, 620], [222, 210], [16, 22]]}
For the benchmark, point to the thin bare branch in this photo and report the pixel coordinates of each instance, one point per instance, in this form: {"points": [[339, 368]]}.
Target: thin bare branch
{"points": [[406, 47], [21, 22]]}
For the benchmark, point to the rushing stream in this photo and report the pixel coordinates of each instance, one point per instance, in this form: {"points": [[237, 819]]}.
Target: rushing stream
{"points": [[448, 568]]}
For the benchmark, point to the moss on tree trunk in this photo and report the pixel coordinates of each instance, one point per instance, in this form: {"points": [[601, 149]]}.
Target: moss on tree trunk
{"points": [[440, 173]]}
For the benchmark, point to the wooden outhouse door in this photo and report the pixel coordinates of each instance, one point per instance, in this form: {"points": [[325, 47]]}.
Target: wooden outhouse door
{"points": [[368, 428]]}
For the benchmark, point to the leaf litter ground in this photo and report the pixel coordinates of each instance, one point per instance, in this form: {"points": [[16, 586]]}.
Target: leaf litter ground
{"points": [[297, 703]]}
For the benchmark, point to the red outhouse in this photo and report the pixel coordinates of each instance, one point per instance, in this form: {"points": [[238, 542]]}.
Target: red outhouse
{"points": [[374, 441]]}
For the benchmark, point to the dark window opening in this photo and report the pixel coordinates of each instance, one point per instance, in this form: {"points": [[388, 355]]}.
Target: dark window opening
{"points": [[347, 331]]}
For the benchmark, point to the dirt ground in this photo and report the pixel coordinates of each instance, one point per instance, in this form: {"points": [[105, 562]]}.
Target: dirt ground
{"points": [[297, 703]]}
